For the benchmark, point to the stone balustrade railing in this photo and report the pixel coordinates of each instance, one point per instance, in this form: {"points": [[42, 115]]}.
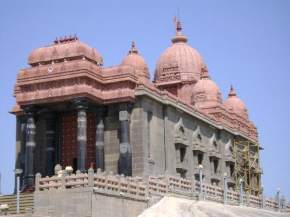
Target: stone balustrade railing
{"points": [[143, 188]]}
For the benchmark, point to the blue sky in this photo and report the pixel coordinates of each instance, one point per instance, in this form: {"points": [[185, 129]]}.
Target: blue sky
{"points": [[245, 43]]}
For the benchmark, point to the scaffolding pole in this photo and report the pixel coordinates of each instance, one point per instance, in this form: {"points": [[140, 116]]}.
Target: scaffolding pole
{"points": [[247, 166]]}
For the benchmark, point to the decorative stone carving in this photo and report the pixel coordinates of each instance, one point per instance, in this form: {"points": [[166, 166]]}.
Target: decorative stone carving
{"points": [[180, 136], [229, 150], [123, 116], [197, 140], [214, 147]]}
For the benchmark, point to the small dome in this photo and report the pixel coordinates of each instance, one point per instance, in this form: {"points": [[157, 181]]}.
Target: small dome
{"points": [[135, 60], [65, 48], [235, 105], [205, 92], [180, 62]]}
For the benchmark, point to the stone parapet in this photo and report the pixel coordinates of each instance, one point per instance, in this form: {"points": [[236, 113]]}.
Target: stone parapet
{"points": [[142, 189]]}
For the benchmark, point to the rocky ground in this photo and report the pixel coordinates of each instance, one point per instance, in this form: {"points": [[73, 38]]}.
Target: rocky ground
{"points": [[179, 207]]}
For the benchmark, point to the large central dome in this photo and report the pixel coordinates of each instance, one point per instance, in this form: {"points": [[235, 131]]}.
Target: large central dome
{"points": [[180, 62]]}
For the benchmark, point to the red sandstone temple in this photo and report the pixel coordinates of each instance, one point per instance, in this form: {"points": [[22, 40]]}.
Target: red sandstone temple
{"points": [[72, 111]]}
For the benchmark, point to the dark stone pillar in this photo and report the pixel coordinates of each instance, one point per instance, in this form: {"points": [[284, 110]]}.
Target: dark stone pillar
{"points": [[20, 147], [81, 106], [125, 158], [23, 147], [29, 149], [50, 143], [100, 152]]}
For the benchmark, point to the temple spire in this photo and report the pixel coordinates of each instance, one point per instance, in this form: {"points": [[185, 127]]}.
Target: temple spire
{"points": [[232, 91], [133, 48], [179, 37], [178, 26]]}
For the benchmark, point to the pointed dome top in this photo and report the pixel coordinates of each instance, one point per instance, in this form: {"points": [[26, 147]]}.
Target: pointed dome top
{"points": [[179, 62], [232, 92], [205, 92], [135, 60], [235, 105], [179, 37], [133, 48]]}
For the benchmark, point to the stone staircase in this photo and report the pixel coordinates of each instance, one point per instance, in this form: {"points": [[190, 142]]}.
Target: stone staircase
{"points": [[26, 202]]}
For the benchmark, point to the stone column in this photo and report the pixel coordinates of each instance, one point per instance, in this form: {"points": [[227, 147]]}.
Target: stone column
{"points": [[29, 149], [100, 152], [125, 157], [50, 144], [20, 148], [23, 147], [81, 106]]}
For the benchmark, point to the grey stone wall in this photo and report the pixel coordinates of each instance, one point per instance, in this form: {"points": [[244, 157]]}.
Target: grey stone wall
{"points": [[153, 137], [103, 205], [172, 141], [83, 202], [137, 136]]}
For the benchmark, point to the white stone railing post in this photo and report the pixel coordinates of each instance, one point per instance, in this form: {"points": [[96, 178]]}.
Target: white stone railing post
{"points": [[201, 192], [241, 192], [262, 197], [119, 184], [63, 182], [192, 185], [167, 183], [147, 187], [106, 181], [91, 177], [225, 189], [248, 199], [37, 180]]}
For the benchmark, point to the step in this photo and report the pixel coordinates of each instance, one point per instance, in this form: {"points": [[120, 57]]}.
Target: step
{"points": [[26, 201]]}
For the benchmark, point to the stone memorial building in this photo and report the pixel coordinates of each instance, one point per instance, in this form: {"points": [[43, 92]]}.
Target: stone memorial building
{"points": [[73, 111]]}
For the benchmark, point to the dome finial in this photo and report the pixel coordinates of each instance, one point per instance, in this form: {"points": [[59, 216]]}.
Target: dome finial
{"points": [[232, 91], [133, 48], [179, 37], [204, 72], [178, 26]]}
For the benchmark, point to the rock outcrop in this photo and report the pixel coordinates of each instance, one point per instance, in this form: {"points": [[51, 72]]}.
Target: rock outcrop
{"points": [[179, 207]]}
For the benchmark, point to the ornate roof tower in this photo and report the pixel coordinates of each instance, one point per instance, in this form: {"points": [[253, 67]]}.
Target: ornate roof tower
{"points": [[135, 60], [205, 92], [178, 63], [235, 105]]}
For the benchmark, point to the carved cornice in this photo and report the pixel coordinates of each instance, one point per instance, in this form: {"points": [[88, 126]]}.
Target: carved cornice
{"points": [[232, 120], [233, 124], [81, 78], [74, 79]]}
